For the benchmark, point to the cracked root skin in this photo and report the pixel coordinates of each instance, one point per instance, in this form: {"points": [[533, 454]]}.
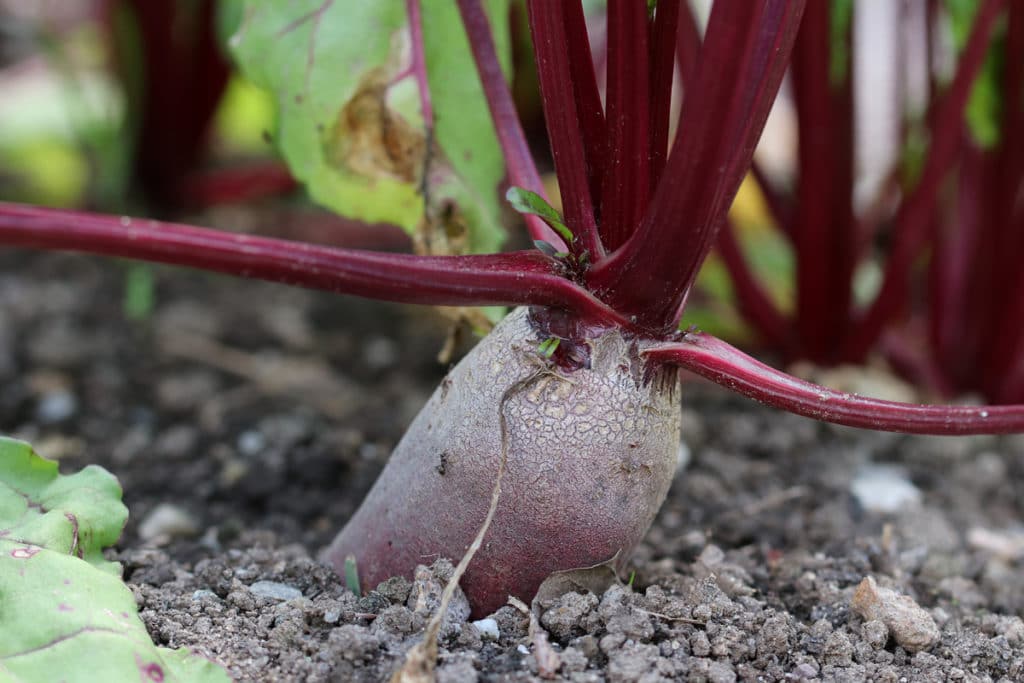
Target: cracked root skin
{"points": [[591, 456]]}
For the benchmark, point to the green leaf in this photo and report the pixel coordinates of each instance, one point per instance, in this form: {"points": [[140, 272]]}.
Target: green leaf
{"points": [[349, 119], [77, 515], [64, 612], [525, 201]]}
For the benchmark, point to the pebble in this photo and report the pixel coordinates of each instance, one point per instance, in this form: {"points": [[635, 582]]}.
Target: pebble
{"points": [[1004, 543], [884, 489], [875, 633], [804, 671], [683, 456], [167, 521], [251, 442], [176, 442], [204, 594], [274, 590], [488, 628], [56, 406], [911, 625], [380, 353]]}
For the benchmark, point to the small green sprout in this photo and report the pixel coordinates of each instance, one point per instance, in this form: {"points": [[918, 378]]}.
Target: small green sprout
{"points": [[525, 201], [352, 575], [548, 347]]}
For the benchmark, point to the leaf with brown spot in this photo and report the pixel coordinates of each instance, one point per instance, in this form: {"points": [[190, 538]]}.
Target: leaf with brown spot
{"points": [[350, 113]]}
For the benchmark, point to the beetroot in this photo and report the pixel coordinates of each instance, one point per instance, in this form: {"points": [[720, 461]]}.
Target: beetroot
{"points": [[584, 447]]}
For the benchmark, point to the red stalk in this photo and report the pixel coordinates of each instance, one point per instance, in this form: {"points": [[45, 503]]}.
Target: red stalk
{"points": [[779, 207], [741, 66], [524, 277], [662, 63], [960, 284], [1006, 357], [236, 184], [824, 236], [522, 171], [913, 218], [723, 364], [687, 43], [752, 300], [626, 186], [588, 97], [550, 45], [907, 355]]}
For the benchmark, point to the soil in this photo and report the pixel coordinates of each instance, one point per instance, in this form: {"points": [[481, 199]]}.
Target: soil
{"points": [[246, 421]]}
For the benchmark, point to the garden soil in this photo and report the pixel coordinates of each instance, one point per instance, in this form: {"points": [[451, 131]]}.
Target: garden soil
{"points": [[245, 422]]}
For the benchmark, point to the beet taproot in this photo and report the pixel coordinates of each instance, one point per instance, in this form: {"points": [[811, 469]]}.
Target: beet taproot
{"points": [[591, 455]]}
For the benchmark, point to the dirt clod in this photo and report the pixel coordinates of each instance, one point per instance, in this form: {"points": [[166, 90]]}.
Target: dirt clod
{"points": [[911, 626]]}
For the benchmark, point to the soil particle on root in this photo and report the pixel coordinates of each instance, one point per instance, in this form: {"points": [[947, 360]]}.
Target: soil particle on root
{"points": [[749, 574]]}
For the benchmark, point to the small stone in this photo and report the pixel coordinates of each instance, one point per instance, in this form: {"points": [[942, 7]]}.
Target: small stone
{"points": [[911, 625], [425, 596], [167, 521], [1010, 627], [176, 442], [875, 633], [884, 489], [488, 628], [1003, 543], [274, 590], [380, 353], [251, 442], [204, 594], [804, 671], [683, 456], [56, 406]]}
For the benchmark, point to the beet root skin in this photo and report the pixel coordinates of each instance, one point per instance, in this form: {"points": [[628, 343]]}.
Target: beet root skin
{"points": [[591, 455]]}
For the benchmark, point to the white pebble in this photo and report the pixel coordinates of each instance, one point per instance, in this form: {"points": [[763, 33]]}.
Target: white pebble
{"points": [[488, 628], [167, 521], [56, 407], [884, 489], [251, 442], [275, 590], [683, 456]]}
